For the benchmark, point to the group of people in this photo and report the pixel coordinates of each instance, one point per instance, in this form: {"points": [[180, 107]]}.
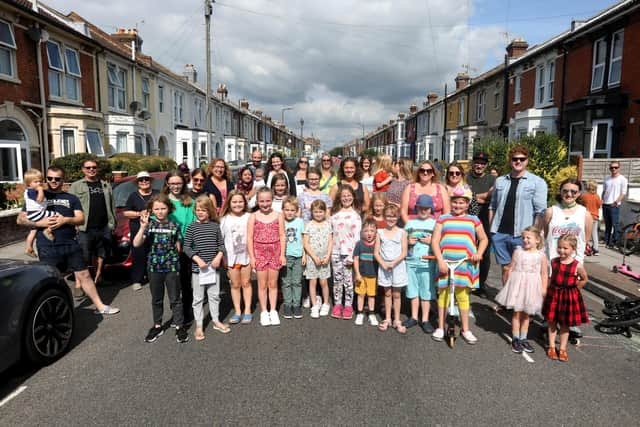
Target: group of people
{"points": [[373, 225]]}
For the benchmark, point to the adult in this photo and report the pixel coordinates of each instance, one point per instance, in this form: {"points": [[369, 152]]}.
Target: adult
{"points": [[256, 161], [481, 184], [455, 177], [96, 199], [218, 185], [402, 174], [276, 165], [426, 181], [328, 179], [183, 168], [350, 174], [198, 178], [312, 193], [614, 190], [64, 252], [134, 207], [367, 177], [519, 200], [176, 189], [300, 176]]}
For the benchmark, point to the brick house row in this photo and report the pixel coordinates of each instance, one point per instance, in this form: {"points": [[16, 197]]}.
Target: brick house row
{"points": [[66, 86], [579, 84]]}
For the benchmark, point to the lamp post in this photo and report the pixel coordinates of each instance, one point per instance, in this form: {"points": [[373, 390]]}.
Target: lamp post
{"points": [[301, 145], [283, 109]]}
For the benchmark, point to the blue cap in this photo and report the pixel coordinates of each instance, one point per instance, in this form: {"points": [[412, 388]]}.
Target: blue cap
{"points": [[424, 201]]}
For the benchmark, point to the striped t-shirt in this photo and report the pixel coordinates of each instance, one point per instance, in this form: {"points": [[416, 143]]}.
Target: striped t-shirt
{"points": [[203, 239], [457, 241]]}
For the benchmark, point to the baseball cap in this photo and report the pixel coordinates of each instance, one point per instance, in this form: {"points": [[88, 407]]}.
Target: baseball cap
{"points": [[424, 201], [481, 157], [183, 167], [143, 174]]}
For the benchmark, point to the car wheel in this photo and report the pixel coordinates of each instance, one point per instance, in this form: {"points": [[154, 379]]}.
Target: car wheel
{"points": [[49, 327]]}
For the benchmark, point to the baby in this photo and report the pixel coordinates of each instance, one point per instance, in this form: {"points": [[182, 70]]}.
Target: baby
{"points": [[36, 206]]}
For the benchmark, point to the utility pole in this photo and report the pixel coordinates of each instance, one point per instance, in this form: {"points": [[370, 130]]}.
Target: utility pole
{"points": [[208, 11]]}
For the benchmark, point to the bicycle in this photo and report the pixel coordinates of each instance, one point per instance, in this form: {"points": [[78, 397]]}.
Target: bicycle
{"points": [[622, 316], [629, 242]]}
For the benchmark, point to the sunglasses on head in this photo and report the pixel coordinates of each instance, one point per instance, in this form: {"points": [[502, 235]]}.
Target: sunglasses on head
{"points": [[518, 159], [54, 178], [455, 173]]}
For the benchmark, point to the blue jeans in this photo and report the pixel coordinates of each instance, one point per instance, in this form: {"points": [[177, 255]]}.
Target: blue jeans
{"points": [[611, 224]]}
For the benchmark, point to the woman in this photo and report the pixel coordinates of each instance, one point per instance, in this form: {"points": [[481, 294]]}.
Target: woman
{"points": [[425, 182], [198, 178], [219, 183], [134, 207], [402, 172], [275, 165], [367, 177], [456, 177], [176, 189], [301, 174], [328, 179], [349, 174]]}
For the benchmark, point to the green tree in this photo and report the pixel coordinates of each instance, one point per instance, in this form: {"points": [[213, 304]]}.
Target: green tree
{"points": [[335, 152], [370, 152]]}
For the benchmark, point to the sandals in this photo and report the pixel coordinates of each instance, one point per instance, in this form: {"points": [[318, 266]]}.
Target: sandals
{"points": [[234, 319], [247, 318], [384, 325], [198, 334], [400, 328], [223, 329], [562, 355], [551, 353]]}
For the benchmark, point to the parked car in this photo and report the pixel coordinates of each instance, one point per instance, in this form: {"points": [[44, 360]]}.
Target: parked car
{"points": [[121, 239], [36, 313]]}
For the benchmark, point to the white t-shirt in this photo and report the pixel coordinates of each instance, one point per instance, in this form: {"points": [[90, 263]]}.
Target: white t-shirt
{"points": [[234, 233], [612, 189], [562, 224]]}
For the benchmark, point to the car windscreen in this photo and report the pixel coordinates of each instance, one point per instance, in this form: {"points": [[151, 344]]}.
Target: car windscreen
{"points": [[122, 190]]}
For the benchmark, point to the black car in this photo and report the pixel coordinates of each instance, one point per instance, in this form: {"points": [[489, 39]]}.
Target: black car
{"points": [[36, 313]]}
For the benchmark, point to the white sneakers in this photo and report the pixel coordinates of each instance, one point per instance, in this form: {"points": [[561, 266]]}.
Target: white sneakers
{"points": [[325, 309], [315, 311], [359, 319], [306, 303], [275, 320], [265, 318], [469, 337], [373, 320], [438, 335]]}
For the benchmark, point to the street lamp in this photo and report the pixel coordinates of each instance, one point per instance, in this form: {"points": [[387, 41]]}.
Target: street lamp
{"points": [[283, 109]]}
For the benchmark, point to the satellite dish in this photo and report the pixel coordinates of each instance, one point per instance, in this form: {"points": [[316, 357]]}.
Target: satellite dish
{"points": [[144, 115], [134, 106]]}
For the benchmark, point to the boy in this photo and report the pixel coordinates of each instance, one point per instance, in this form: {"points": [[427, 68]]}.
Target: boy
{"points": [[292, 276], [365, 268]]}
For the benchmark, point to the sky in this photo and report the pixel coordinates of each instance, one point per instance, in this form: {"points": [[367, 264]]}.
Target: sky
{"points": [[341, 64]]}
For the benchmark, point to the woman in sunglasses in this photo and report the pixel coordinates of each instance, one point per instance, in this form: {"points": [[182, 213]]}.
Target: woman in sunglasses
{"points": [[426, 182], [198, 178], [301, 174], [455, 177], [328, 178]]}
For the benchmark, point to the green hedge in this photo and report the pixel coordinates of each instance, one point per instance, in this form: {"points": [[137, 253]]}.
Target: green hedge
{"points": [[130, 162], [72, 165]]}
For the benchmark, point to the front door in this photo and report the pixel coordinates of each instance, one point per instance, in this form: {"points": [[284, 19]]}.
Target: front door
{"points": [[601, 135]]}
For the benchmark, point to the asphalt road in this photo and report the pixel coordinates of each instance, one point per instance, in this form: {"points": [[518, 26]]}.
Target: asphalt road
{"points": [[319, 372]]}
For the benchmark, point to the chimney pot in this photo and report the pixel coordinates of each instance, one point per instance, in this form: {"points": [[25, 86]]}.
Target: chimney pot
{"points": [[517, 48], [413, 108]]}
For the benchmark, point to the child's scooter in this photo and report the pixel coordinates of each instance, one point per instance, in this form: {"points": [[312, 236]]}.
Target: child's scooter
{"points": [[625, 269]]}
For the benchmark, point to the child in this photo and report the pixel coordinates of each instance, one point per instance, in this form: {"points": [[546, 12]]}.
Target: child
{"points": [[318, 240], [421, 272], [296, 259], [258, 183], [163, 264], [346, 224], [234, 232], [563, 304], [312, 193], [593, 203], [36, 206], [526, 283], [365, 268], [383, 174], [454, 238], [378, 202], [204, 245], [390, 251], [266, 245], [280, 189]]}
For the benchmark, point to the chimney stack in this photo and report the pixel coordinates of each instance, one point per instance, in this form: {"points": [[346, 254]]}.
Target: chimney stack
{"points": [[432, 98], [126, 36], [190, 74], [401, 116], [462, 81], [244, 104], [413, 108], [517, 48], [222, 91]]}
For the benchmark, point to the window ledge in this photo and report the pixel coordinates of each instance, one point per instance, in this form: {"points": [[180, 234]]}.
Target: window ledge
{"points": [[10, 79], [66, 101]]}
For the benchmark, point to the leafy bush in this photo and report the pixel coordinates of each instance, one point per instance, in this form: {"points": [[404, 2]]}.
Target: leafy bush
{"points": [[496, 148], [134, 163], [72, 165], [554, 184]]}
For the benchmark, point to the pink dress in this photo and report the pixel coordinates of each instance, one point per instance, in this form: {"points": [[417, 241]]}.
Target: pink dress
{"points": [[438, 204], [523, 291], [266, 245]]}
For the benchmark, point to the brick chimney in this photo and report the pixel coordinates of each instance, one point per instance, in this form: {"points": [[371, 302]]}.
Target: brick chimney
{"points": [[401, 116], [432, 98], [517, 48], [258, 113], [190, 74], [391, 122], [222, 91], [244, 104], [413, 108], [126, 36], [462, 81]]}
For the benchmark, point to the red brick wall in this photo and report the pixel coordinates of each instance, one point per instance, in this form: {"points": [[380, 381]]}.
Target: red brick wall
{"points": [[27, 72], [579, 63], [527, 91], [630, 84]]}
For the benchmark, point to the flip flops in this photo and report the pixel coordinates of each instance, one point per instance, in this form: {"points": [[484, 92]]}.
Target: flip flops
{"points": [[247, 318], [224, 329], [400, 328], [198, 334], [383, 326], [234, 319]]}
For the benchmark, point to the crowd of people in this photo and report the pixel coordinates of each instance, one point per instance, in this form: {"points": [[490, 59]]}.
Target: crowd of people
{"points": [[374, 225]]}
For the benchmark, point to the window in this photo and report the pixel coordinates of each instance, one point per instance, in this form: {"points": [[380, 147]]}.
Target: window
{"points": [[517, 95], [540, 84], [496, 97], [197, 115], [522, 133], [576, 140], [117, 90], [599, 59], [177, 106], [145, 94], [13, 152], [461, 112], [481, 104], [615, 65], [64, 73], [55, 69], [601, 132], [138, 144], [7, 50], [67, 141], [121, 142], [94, 142], [551, 75], [161, 99]]}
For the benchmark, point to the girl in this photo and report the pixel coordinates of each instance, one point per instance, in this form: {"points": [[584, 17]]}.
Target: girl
{"points": [[563, 304], [367, 178], [163, 264], [318, 240], [280, 188], [593, 203], [266, 245], [246, 182], [390, 251], [383, 174], [300, 176], [378, 202], [312, 193], [346, 224], [203, 244], [198, 177], [292, 275], [235, 218], [526, 284], [454, 237], [349, 176], [402, 171]]}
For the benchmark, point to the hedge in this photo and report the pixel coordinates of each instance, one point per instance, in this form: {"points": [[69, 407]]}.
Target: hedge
{"points": [[130, 162]]}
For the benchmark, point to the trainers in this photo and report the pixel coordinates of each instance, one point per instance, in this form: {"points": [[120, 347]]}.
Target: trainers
{"points": [[315, 311], [297, 312], [516, 345], [359, 319], [427, 327], [526, 346], [373, 320], [306, 303], [153, 334], [324, 309], [287, 312], [182, 335], [265, 319], [469, 337], [336, 313], [108, 310], [275, 319], [438, 335], [347, 313], [136, 286], [410, 322], [318, 300]]}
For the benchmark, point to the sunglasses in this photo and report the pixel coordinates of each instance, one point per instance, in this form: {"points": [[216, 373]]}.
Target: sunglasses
{"points": [[54, 179], [455, 173], [145, 179], [90, 167], [303, 162], [567, 191], [197, 179], [426, 171], [326, 160], [518, 159], [613, 167]]}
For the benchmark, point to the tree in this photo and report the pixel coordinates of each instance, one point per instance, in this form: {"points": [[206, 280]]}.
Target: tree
{"points": [[371, 152], [335, 152]]}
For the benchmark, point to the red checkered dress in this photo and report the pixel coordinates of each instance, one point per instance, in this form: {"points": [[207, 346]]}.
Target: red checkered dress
{"points": [[564, 304]]}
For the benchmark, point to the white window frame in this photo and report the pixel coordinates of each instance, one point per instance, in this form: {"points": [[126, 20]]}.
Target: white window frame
{"points": [[551, 76], [161, 98], [18, 160], [572, 151], [496, 96], [481, 104], [197, 113], [461, 111], [540, 84], [602, 153], [616, 59], [63, 150], [87, 132], [138, 145], [11, 48], [146, 93], [595, 85], [517, 95], [178, 106], [125, 136], [65, 74], [117, 87]]}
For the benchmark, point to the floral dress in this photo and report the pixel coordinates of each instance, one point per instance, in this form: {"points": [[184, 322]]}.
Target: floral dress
{"points": [[319, 234]]}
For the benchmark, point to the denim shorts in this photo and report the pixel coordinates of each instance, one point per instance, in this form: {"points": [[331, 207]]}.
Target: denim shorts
{"points": [[65, 257], [503, 247]]}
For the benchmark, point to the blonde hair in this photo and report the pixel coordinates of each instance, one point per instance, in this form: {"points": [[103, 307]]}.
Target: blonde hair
{"points": [[205, 202], [31, 175], [405, 167], [227, 204], [390, 209], [384, 163], [291, 200], [375, 197], [535, 231], [570, 239], [591, 186]]}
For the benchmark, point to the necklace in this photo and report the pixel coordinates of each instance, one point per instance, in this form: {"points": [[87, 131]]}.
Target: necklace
{"points": [[569, 206]]}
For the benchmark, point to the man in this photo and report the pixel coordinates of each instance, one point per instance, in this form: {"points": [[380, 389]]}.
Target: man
{"points": [[94, 235], [519, 200], [256, 161], [614, 190], [481, 184], [64, 252]]}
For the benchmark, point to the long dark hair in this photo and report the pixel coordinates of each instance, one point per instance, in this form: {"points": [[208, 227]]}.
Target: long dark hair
{"points": [[269, 168], [337, 204], [185, 198], [358, 174], [241, 185]]}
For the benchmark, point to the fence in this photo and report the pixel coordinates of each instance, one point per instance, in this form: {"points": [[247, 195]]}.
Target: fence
{"points": [[597, 169]]}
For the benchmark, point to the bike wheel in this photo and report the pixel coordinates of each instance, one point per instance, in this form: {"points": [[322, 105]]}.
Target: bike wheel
{"points": [[609, 330], [622, 320], [630, 240]]}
